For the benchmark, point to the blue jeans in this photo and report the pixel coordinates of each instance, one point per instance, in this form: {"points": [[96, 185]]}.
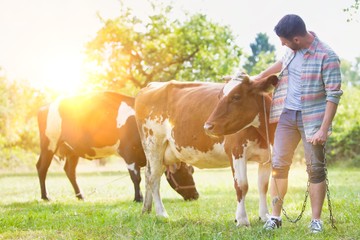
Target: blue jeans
{"points": [[289, 132]]}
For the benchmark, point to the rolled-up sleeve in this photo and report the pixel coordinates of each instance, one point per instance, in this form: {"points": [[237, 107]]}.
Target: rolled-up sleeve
{"points": [[332, 78]]}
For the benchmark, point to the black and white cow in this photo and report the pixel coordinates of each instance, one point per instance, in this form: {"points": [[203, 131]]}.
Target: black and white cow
{"points": [[95, 126]]}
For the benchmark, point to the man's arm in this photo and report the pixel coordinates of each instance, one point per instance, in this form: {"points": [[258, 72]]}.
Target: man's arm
{"points": [[321, 135], [273, 69]]}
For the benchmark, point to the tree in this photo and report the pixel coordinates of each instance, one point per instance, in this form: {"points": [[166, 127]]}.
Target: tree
{"points": [[262, 54], [352, 10], [19, 136], [350, 72], [130, 53]]}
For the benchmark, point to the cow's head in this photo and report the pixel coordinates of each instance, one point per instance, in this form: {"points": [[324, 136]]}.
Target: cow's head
{"points": [[239, 106], [181, 180]]}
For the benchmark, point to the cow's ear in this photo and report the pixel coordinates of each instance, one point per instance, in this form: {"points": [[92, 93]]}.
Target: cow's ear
{"points": [[264, 85], [245, 79], [226, 79]]}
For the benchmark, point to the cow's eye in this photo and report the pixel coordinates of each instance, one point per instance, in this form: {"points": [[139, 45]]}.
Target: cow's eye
{"points": [[236, 97]]}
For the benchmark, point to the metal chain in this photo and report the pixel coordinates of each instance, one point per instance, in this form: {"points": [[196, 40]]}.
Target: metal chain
{"points": [[303, 206], [331, 216]]}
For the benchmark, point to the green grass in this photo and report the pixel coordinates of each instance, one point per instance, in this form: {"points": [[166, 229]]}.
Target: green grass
{"points": [[109, 213]]}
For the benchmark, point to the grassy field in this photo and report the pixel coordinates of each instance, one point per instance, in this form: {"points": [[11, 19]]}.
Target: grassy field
{"points": [[109, 213]]}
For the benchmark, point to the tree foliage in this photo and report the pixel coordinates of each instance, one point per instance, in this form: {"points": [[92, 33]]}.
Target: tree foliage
{"points": [[352, 10], [130, 52], [263, 54], [344, 142], [351, 72], [19, 103]]}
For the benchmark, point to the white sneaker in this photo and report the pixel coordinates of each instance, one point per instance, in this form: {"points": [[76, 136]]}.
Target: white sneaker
{"points": [[272, 223], [316, 226]]}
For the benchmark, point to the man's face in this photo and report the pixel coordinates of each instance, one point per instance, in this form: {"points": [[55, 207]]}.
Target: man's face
{"points": [[294, 43]]}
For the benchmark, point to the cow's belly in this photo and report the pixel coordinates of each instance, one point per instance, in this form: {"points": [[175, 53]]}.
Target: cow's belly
{"points": [[215, 158], [103, 152], [90, 152]]}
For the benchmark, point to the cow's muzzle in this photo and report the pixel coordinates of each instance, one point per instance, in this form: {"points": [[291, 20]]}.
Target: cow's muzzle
{"points": [[208, 128]]}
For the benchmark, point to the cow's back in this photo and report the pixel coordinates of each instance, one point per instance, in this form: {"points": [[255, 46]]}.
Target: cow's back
{"points": [[89, 125], [176, 112]]}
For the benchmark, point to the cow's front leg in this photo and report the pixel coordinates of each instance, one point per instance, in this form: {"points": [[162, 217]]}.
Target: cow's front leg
{"points": [[241, 187], [263, 183]]}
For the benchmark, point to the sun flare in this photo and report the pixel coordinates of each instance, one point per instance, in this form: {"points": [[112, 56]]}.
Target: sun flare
{"points": [[63, 75]]}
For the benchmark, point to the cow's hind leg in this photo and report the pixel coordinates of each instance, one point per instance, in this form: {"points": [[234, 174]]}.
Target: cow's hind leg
{"points": [[135, 175], [153, 173], [42, 167], [263, 183], [152, 181], [70, 169]]}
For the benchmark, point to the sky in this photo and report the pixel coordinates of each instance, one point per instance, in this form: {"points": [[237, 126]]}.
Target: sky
{"points": [[43, 41]]}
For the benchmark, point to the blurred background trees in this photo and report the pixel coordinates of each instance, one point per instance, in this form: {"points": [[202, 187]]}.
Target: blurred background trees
{"points": [[263, 55], [127, 53]]}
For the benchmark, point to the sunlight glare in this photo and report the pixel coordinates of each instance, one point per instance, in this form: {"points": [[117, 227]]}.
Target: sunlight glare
{"points": [[63, 75]]}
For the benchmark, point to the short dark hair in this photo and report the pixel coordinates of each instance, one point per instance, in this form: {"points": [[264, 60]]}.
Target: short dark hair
{"points": [[289, 26]]}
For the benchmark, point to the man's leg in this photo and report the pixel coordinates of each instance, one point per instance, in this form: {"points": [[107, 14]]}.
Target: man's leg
{"points": [[287, 138], [278, 189], [315, 161], [317, 196]]}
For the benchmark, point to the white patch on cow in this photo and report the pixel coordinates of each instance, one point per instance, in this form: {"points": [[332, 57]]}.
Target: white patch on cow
{"points": [[263, 181], [53, 125], [254, 123], [230, 86], [131, 167], [252, 152], [240, 177], [214, 158], [156, 84], [240, 173], [162, 129], [104, 151], [154, 143], [255, 153], [124, 112]]}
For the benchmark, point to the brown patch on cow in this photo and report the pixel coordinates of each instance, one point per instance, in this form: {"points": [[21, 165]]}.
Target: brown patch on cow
{"points": [[186, 106], [148, 132]]}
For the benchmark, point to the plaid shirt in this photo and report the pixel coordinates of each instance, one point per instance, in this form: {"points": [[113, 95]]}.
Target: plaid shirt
{"points": [[321, 82]]}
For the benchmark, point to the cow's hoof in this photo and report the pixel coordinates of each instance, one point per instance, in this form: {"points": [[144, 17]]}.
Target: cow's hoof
{"points": [[138, 199], [46, 199], [162, 215], [242, 223], [145, 210], [263, 219], [79, 196]]}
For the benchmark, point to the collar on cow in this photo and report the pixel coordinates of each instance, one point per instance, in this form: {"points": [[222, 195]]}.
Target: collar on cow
{"points": [[169, 175]]}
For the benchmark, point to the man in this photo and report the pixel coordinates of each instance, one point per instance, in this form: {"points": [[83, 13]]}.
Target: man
{"points": [[304, 105]]}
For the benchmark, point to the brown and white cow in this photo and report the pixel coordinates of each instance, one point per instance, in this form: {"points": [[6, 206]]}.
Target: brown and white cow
{"points": [[171, 119], [95, 126]]}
